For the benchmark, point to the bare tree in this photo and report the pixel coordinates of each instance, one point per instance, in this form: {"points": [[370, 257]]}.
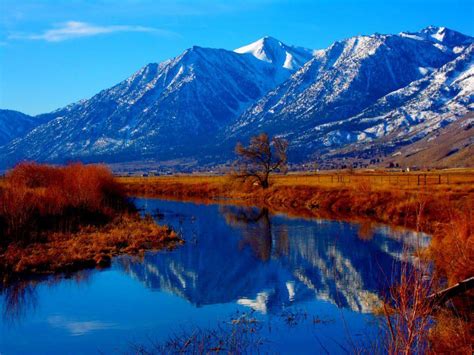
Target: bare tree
{"points": [[260, 158]]}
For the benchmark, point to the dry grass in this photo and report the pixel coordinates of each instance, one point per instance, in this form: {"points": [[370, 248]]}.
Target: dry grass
{"points": [[408, 311], [35, 198], [89, 247], [452, 334], [56, 219]]}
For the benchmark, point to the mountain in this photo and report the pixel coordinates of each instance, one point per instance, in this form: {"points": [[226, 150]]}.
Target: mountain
{"points": [[444, 38], [351, 91], [448, 146], [14, 124], [415, 111], [363, 96], [162, 108]]}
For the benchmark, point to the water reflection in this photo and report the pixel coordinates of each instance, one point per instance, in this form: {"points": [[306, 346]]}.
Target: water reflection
{"points": [[20, 298], [247, 255], [78, 327], [250, 257], [255, 227]]}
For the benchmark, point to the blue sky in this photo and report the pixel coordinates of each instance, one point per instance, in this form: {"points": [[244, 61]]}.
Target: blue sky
{"points": [[53, 53]]}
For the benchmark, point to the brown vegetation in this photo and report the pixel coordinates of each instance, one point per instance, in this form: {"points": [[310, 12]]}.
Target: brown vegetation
{"points": [[67, 218], [35, 198], [408, 311], [89, 247]]}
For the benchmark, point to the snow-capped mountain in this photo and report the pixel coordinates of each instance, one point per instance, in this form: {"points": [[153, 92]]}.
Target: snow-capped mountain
{"points": [[164, 110], [340, 96], [375, 90], [444, 38], [425, 104]]}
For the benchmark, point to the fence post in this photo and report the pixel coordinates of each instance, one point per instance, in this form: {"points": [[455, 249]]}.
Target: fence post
{"points": [[425, 179], [418, 180], [439, 179]]}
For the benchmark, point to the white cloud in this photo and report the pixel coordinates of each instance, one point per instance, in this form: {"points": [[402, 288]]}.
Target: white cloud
{"points": [[76, 29]]}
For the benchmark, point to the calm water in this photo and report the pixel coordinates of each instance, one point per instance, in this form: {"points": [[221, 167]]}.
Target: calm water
{"points": [[305, 282]]}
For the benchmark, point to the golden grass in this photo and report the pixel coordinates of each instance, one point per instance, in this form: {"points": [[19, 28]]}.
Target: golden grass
{"points": [[89, 247]]}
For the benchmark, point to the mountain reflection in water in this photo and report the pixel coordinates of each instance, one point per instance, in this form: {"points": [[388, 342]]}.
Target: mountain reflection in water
{"points": [[235, 262], [267, 262]]}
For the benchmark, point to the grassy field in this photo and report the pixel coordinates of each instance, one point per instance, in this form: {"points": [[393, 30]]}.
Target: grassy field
{"points": [[445, 180]]}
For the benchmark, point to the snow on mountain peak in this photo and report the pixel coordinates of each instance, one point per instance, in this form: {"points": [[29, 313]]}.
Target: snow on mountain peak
{"points": [[436, 33], [262, 48], [441, 36], [359, 89], [271, 50]]}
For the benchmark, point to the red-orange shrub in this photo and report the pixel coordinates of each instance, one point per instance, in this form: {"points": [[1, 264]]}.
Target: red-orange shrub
{"points": [[37, 197]]}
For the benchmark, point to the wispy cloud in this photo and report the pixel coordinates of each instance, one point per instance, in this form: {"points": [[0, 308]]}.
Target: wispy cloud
{"points": [[75, 29]]}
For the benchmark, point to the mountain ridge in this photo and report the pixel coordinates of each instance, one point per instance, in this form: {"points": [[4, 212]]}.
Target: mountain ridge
{"points": [[198, 104]]}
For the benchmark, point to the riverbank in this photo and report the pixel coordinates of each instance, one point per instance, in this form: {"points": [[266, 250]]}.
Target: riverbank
{"points": [[416, 201], [441, 207], [65, 219], [90, 247]]}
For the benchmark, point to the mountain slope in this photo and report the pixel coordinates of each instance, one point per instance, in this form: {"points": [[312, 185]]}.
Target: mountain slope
{"points": [[449, 146], [343, 81], [157, 112], [413, 112], [424, 104], [14, 124]]}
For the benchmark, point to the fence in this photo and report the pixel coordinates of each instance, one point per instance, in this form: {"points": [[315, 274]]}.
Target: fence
{"points": [[401, 179]]}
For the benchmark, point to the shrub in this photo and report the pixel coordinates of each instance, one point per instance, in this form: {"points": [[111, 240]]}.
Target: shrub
{"points": [[36, 198]]}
